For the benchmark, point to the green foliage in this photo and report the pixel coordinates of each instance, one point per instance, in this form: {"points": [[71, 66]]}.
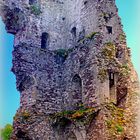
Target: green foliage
{"points": [[74, 114], [122, 37], [22, 116], [25, 115], [109, 51], [35, 9], [106, 59], [124, 70], [115, 122], [108, 123], [62, 52], [102, 74], [90, 36], [6, 132], [81, 115], [119, 128]]}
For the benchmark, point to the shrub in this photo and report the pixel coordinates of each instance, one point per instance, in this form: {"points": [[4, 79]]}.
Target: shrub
{"points": [[6, 132]]}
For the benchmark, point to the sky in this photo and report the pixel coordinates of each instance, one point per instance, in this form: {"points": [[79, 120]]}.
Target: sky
{"points": [[9, 97]]}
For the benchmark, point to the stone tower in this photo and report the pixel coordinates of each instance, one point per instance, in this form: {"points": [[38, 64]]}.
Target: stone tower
{"points": [[70, 60]]}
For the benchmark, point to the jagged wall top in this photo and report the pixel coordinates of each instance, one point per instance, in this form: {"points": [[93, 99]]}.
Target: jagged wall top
{"points": [[64, 21]]}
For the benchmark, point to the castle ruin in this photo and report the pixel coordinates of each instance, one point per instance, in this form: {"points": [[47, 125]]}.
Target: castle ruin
{"points": [[69, 55]]}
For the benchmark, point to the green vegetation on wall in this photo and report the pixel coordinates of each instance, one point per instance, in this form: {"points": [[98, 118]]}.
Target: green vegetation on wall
{"points": [[109, 51], [115, 122], [124, 70], [91, 36], [80, 115], [102, 74], [35, 9], [122, 37], [63, 52]]}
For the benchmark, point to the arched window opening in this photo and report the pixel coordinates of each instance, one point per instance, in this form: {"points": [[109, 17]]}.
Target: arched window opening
{"points": [[77, 91], [44, 40]]}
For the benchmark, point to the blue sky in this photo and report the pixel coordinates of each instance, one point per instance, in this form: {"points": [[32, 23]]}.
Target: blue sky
{"points": [[9, 97]]}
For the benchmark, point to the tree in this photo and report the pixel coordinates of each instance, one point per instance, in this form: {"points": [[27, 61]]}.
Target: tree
{"points": [[6, 132]]}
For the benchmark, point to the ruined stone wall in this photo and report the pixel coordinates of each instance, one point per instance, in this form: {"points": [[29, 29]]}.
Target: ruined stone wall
{"points": [[68, 55]]}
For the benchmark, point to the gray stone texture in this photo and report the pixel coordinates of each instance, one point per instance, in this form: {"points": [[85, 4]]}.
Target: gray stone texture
{"points": [[66, 53]]}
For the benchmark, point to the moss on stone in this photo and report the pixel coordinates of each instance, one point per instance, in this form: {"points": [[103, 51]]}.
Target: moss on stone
{"points": [[62, 53], [91, 35], [119, 128], [35, 9], [102, 74], [115, 122], [124, 70], [74, 114], [23, 116], [122, 37], [109, 51], [81, 115]]}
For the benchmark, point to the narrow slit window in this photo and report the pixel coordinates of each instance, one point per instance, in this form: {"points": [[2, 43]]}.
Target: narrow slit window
{"points": [[109, 29], [111, 79], [73, 31], [112, 87], [44, 40]]}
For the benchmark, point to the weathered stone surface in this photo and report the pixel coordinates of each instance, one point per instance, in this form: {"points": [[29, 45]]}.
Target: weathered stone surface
{"points": [[70, 57]]}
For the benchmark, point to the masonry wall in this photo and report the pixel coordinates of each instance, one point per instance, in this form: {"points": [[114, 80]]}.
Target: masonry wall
{"points": [[63, 54]]}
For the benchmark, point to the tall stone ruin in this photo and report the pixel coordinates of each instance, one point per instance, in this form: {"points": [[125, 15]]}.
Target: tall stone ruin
{"points": [[73, 70]]}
